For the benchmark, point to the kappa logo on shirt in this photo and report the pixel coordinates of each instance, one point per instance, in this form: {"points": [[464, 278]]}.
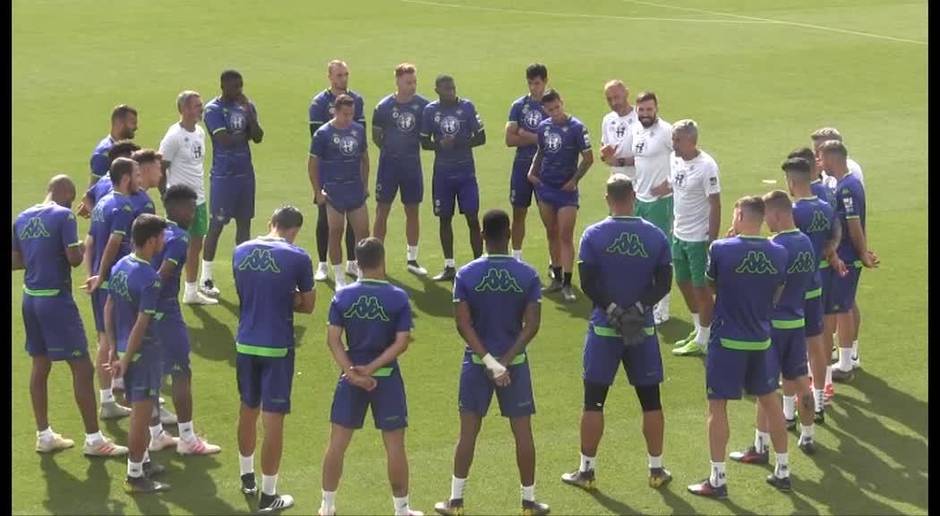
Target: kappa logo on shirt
{"points": [[366, 307], [34, 229], [259, 260], [819, 223], [498, 280], [628, 244], [756, 262], [804, 262]]}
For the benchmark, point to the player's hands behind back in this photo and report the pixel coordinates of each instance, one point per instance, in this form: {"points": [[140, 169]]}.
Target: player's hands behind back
{"points": [[630, 322]]}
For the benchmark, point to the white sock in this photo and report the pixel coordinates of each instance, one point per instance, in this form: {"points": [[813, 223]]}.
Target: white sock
{"points": [[845, 359], [587, 463], [322, 265], [327, 500], [655, 462], [269, 484], [246, 464], [146, 456], [807, 432], [696, 321], [828, 375], [789, 407], [338, 271], [517, 254], [187, 433], [191, 288], [94, 438], [782, 469], [456, 487], [761, 441], [717, 477], [704, 333], [206, 270], [156, 430], [135, 469], [449, 262], [528, 493], [820, 399], [401, 505], [45, 434], [107, 396], [412, 253], [855, 349]]}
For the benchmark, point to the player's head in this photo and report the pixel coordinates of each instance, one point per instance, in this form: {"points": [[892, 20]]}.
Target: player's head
{"points": [[833, 156], [685, 138], [446, 88], [231, 83], [122, 149], [179, 201], [618, 95], [123, 122], [647, 108], [778, 211], [807, 154], [150, 167], [286, 222], [344, 109], [799, 171], [748, 215], [123, 175], [824, 134], [338, 73], [536, 75], [620, 195], [496, 231], [61, 190], [370, 256], [553, 105], [189, 104], [147, 233], [406, 78]]}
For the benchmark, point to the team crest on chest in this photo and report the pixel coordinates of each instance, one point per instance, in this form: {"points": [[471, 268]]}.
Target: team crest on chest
{"points": [[552, 141], [450, 124], [348, 145], [405, 120]]}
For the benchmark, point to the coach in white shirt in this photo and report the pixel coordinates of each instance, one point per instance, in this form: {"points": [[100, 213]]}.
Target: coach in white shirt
{"points": [[615, 128], [823, 135]]}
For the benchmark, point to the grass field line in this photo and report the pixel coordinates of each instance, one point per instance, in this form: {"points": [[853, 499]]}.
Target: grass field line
{"points": [[579, 15], [743, 17]]}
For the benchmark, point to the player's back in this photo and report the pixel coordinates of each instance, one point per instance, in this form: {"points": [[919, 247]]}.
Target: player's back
{"points": [[849, 204], [814, 218], [372, 312], [133, 286], [823, 191], [175, 245], [497, 289], [113, 213], [100, 188], [99, 161], [626, 251], [801, 272], [401, 125], [42, 233], [268, 271], [141, 202], [747, 271]]}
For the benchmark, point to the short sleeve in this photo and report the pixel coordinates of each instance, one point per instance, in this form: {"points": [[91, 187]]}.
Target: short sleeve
{"points": [[585, 251], [667, 137], [169, 146], [215, 119], [850, 202], [584, 140], [150, 295], [175, 251], [539, 137], [460, 289], [711, 269], [318, 144], [604, 140], [515, 113], [476, 121], [360, 115], [305, 274], [16, 239], [427, 121], [712, 185], [534, 292], [404, 322], [70, 231], [665, 257], [121, 220], [378, 116], [335, 316], [99, 164]]}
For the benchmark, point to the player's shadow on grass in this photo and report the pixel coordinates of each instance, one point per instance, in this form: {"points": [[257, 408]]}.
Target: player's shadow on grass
{"points": [[67, 494], [436, 300], [215, 340], [673, 330], [889, 402], [194, 490], [612, 505]]}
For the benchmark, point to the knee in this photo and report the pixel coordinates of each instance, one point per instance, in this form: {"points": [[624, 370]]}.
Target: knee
{"points": [[595, 395], [649, 397]]}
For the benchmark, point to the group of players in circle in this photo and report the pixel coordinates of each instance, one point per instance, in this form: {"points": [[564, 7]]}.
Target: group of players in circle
{"points": [[762, 307]]}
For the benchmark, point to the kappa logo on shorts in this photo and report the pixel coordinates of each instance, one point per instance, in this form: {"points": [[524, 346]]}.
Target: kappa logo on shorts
{"points": [[819, 223], [804, 262], [498, 280], [628, 244], [117, 284], [756, 262], [259, 260], [366, 307], [34, 229]]}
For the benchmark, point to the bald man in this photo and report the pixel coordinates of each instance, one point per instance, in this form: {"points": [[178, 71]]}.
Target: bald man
{"points": [[616, 126], [46, 245]]}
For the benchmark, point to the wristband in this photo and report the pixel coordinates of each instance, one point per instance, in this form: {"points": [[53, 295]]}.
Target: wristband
{"points": [[493, 365]]}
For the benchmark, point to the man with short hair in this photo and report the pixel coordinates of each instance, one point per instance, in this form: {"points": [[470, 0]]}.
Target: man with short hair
{"points": [[555, 172], [498, 312], [748, 273], [693, 180], [170, 328], [451, 127], [616, 127], [46, 245], [625, 269], [650, 141], [120, 149], [123, 127], [274, 279], [338, 169], [396, 123], [322, 108], [232, 121], [184, 153], [525, 115], [376, 319], [133, 292]]}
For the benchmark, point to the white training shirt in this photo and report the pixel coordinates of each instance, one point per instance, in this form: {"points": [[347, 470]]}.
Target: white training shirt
{"points": [[692, 182], [651, 147], [614, 129], [186, 152], [854, 167]]}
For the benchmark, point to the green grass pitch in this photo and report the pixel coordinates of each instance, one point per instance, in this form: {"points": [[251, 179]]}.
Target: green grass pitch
{"points": [[758, 76]]}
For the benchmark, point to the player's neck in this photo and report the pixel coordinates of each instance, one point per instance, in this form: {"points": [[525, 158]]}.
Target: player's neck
{"points": [[749, 231], [692, 155], [498, 250], [402, 98], [839, 172], [340, 124], [189, 125], [803, 192], [338, 91], [626, 111], [447, 103], [373, 275], [143, 253], [115, 136]]}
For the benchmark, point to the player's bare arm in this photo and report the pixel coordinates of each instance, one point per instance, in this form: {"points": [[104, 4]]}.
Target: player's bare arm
{"points": [[531, 322], [109, 341], [313, 173], [87, 260], [255, 133], [107, 260], [465, 328], [85, 207], [305, 301], [860, 243], [535, 167], [402, 339], [378, 136], [478, 138], [18, 260], [519, 137], [334, 338], [364, 170], [587, 159], [75, 254], [134, 343]]}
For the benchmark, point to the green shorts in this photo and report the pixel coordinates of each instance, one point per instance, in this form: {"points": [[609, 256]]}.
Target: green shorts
{"points": [[200, 224], [688, 261], [658, 212]]}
